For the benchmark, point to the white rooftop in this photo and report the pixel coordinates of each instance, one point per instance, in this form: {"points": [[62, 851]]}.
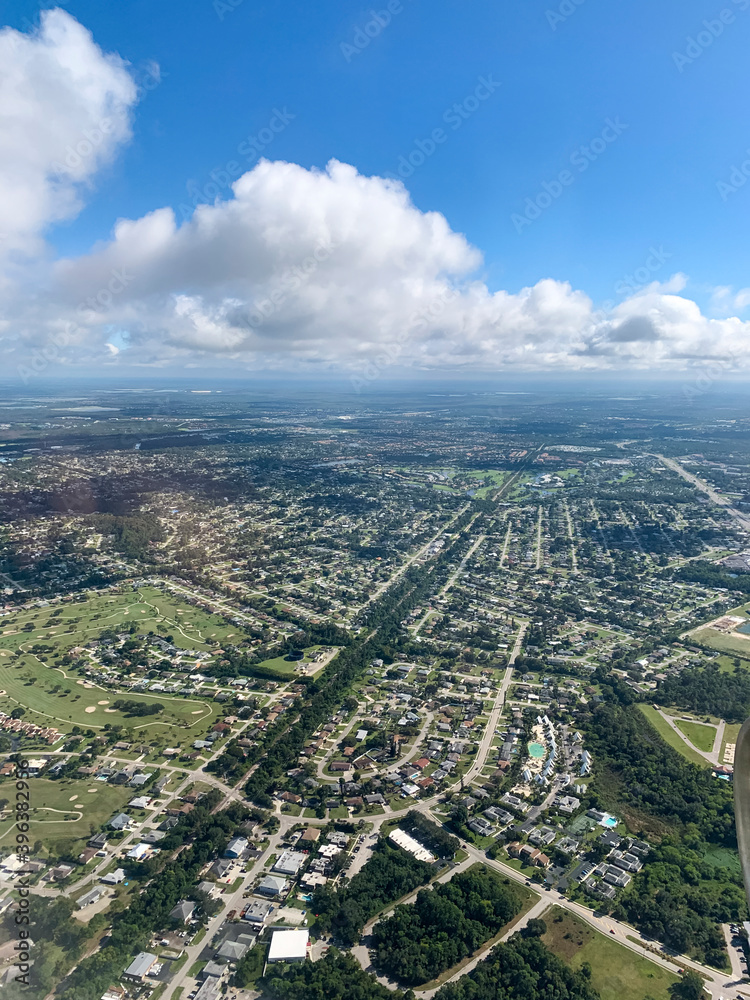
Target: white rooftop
{"points": [[288, 946]]}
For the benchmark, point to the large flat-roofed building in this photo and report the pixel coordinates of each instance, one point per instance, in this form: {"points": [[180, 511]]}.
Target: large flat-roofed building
{"points": [[140, 967], [288, 946], [290, 862], [412, 846]]}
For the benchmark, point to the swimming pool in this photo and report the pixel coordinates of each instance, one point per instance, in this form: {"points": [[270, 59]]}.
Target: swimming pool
{"points": [[536, 750], [609, 821]]}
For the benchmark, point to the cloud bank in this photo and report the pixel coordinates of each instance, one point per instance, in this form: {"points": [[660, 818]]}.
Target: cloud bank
{"points": [[297, 268]]}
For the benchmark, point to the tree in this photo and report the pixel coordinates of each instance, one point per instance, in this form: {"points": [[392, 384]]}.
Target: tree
{"points": [[690, 987], [535, 928]]}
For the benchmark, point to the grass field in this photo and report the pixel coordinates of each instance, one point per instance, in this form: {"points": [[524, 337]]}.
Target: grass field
{"points": [[670, 736], [63, 701], [59, 822], [700, 735], [76, 622], [51, 697], [731, 732], [734, 642], [617, 973]]}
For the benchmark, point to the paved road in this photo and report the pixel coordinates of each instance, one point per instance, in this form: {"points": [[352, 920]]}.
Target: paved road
{"points": [[708, 757], [537, 910], [486, 743], [734, 956], [742, 519], [420, 552]]}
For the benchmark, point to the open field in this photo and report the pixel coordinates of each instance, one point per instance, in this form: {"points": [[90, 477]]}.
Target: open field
{"points": [[616, 972], [734, 642], [61, 823], [670, 736], [80, 621], [731, 732], [55, 699], [51, 696], [700, 735]]}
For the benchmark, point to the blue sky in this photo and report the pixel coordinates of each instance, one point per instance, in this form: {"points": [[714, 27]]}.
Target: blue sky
{"points": [[564, 70]]}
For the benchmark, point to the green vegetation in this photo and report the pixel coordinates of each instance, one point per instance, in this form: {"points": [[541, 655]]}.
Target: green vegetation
{"points": [[389, 874], [444, 925], [680, 898], [523, 968], [337, 976], [429, 834], [55, 700], [208, 835], [250, 968], [640, 775], [700, 735], [63, 825], [669, 736], [708, 691], [132, 534], [617, 973], [59, 940]]}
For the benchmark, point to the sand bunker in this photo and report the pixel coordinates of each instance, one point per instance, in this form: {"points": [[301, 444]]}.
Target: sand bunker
{"points": [[90, 790], [72, 798], [197, 711], [105, 702], [89, 709], [110, 711]]}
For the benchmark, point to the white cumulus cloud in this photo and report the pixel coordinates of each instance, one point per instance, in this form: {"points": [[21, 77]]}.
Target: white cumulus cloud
{"points": [[64, 111], [296, 267]]}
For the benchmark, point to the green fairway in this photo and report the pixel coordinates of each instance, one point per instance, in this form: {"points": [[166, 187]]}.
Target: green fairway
{"points": [[670, 736], [151, 609], [700, 735], [617, 973], [62, 824], [54, 699], [53, 695]]}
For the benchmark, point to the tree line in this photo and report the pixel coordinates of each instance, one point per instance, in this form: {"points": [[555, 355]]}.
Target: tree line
{"points": [[443, 926], [637, 770], [389, 874], [148, 911]]}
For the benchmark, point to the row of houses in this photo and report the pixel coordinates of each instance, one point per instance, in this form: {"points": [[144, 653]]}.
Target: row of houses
{"points": [[23, 727]]}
